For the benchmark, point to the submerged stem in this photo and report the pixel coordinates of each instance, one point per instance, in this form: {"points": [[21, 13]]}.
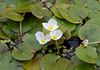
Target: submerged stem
{"points": [[21, 26], [21, 29], [95, 42], [58, 52], [43, 49]]}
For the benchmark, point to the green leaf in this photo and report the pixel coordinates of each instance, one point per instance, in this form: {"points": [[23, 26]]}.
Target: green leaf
{"points": [[3, 47], [39, 11], [78, 65], [90, 30], [33, 64], [93, 8], [3, 36], [28, 23], [11, 14], [61, 1], [55, 10], [93, 4], [93, 13], [81, 3], [86, 55], [7, 31], [49, 62], [25, 52], [98, 59], [7, 63], [77, 12], [23, 6], [63, 8], [65, 25], [31, 40]]}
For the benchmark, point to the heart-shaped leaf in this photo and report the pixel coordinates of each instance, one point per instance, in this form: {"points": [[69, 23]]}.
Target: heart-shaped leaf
{"points": [[50, 62], [90, 30], [25, 52], [11, 14], [86, 55], [33, 64], [31, 40], [39, 11]]}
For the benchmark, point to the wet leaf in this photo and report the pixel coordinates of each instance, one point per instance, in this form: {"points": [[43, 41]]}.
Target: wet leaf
{"points": [[50, 62], [31, 40], [39, 11], [86, 55], [25, 52], [33, 64], [65, 25], [11, 14], [90, 30]]}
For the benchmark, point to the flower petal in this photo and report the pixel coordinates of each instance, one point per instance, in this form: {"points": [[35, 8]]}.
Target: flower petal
{"points": [[52, 22], [59, 33], [47, 37], [39, 35], [55, 27], [55, 35], [42, 42], [45, 25]]}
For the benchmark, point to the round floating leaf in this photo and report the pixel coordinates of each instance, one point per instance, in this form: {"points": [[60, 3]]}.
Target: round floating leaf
{"points": [[7, 63], [36, 27], [98, 59], [93, 4], [90, 30], [3, 47], [63, 9], [81, 3], [88, 54], [65, 25], [8, 32], [39, 11], [11, 14], [93, 13], [27, 24], [23, 6], [31, 40], [77, 12], [93, 8], [3, 36], [50, 62], [55, 10], [25, 52], [78, 65], [33, 64]]}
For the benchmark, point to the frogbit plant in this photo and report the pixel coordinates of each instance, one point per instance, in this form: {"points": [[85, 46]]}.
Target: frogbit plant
{"points": [[39, 34], [86, 42], [51, 25], [53, 34], [43, 39]]}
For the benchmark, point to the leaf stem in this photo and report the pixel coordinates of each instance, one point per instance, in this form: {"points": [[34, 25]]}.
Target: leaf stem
{"points": [[43, 49], [95, 42], [21, 29], [21, 26], [58, 52]]}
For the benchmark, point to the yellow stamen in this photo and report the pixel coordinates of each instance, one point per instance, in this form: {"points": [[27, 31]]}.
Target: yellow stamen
{"points": [[50, 27], [54, 37], [43, 40]]}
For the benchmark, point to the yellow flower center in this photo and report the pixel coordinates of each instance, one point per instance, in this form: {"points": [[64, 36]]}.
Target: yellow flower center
{"points": [[54, 37], [50, 27], [43, 40]]}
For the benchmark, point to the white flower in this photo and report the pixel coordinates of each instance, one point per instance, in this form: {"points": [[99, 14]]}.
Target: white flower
{"points": [[55, 35], [85, 42], [51, 25], [43, 39]]}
